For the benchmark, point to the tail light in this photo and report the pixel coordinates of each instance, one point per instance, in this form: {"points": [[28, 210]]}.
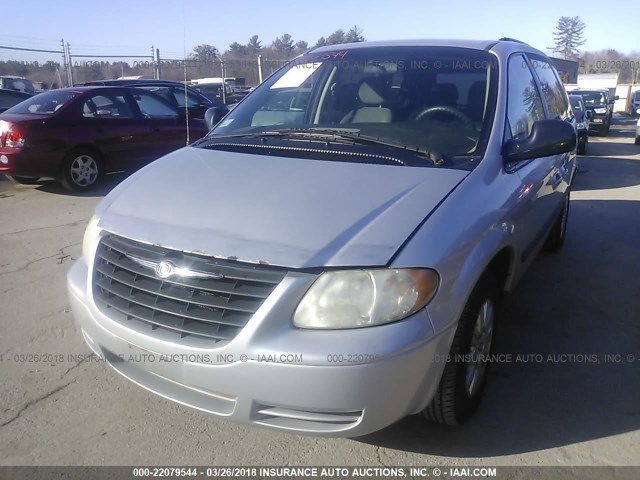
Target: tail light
{"points": [[13, 137]]}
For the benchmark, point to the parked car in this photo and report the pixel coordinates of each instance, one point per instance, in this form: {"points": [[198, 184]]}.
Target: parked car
{"points": [[638, 129], [598, 102], [582, 116], [214, 90], [9, 98], [77, 134], [332, 264], [19, 84], [178, 94], [634, 103]]}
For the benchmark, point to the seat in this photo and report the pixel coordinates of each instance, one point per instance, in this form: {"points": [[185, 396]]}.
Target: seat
{"points": [[122, 109], [371, 98]]}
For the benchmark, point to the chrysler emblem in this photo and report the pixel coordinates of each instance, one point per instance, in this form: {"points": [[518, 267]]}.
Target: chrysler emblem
{"points": [[165, 269]]}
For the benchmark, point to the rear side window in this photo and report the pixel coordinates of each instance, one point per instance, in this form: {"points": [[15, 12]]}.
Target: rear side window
{"points": [[152, 107], [552, 88], [190, 101], [524, 104], [106, 106]]}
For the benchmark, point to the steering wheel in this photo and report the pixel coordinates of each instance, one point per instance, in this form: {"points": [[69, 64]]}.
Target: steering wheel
{"points": [[451, 111]]}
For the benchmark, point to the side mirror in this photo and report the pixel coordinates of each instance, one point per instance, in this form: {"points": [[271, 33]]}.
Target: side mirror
{"points": [[617, 97], [547, 137], [213, 116]]}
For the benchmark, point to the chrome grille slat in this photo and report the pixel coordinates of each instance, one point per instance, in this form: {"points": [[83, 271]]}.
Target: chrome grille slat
{"points": [[175, 293], [198, 308], [141, 313], [230, 269], [222, 286]]}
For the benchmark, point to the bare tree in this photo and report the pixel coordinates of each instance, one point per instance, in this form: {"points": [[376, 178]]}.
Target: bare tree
{"points": [[568, 37]]}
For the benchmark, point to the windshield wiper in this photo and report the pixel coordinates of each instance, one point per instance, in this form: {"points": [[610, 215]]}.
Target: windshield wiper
{"points": [[341, 135]]}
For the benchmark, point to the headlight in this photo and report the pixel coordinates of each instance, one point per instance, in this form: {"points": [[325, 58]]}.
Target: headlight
{"points": [[364, 298], [600, 110], [581, 126], [91, 235]]}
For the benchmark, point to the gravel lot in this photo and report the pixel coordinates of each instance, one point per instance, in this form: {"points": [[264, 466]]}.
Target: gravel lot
{"points": [[583, 302]]}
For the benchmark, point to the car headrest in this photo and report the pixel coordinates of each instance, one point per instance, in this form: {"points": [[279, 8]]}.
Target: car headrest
{"points": [[370, 92]]}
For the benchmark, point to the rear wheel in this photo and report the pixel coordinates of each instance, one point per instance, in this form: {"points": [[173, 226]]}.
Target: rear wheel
{"points": [[23, 180], [465, 373], [81, 170]]}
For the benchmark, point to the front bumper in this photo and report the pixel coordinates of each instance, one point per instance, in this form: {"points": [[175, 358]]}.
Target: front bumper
{"points": [[328, 383], [598, 123]]}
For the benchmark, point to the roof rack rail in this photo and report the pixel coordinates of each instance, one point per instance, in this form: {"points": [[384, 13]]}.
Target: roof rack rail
{"points": [[508, 39]]}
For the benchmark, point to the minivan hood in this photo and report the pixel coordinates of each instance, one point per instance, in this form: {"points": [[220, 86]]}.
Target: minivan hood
{"points": [[291, 212]]}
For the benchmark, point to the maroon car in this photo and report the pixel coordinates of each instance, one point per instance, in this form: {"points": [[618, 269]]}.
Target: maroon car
{"points": [[75, 135]]}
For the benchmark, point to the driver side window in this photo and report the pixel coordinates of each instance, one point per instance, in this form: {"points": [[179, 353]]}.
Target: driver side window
{"points": [[524, 105]]}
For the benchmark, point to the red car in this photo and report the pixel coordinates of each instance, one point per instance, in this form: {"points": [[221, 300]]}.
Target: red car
{"points": [[75, 135]]}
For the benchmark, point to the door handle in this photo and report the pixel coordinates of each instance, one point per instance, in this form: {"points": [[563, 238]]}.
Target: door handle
{"points": [[126, 138]]}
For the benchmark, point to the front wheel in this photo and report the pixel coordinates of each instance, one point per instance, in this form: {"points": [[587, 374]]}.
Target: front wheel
{"points": [[582, 147], [81, 170], [465, 373], [559, 230]]}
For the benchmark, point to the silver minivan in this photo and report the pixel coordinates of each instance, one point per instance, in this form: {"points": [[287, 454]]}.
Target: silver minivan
{"points": [[332, 256]]}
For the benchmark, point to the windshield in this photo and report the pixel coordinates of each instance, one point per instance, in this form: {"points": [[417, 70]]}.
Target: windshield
{"points": [[576, 104], [433, 99], [43, 103], [592, 98]]}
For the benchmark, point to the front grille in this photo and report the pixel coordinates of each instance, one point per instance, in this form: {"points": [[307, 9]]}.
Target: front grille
{"points": [[128, 290]]}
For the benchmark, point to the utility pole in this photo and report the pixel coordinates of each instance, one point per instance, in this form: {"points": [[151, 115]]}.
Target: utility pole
{"points": [[158, 64], [154, 70], [259, 68], [70, 70], [224, 85], [64, 62]]}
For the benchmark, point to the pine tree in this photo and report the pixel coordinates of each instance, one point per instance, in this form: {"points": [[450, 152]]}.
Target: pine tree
{"points": [[568, 37]]}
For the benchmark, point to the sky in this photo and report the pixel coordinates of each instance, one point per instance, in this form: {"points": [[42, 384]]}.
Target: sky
{"points": [[132, 27]]}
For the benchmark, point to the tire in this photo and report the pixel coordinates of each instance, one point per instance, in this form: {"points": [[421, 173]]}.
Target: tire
{"points": [[462, 383], [23, 180], [582, 148], [637, 140], [558, 232], [82, 170]]}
